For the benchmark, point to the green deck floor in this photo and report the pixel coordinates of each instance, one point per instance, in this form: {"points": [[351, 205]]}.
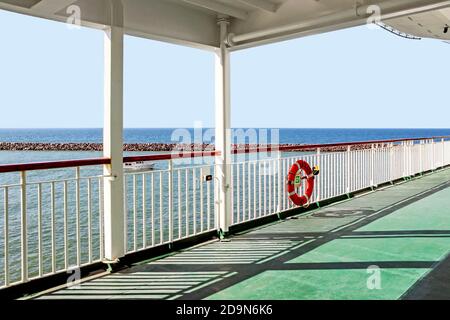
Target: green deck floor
{"points": [[400, 232]]}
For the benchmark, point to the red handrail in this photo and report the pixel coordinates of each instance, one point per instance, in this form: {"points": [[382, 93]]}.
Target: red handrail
{"points": [[53, 165], [173, 155], [100, 161], [328, 145]]}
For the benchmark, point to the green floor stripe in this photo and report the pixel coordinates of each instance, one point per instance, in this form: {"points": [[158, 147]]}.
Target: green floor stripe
{"points": [[322, 285], [378, 249], [430, 213]]}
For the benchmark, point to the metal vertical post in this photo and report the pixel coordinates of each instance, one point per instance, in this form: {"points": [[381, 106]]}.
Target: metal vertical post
{"points": [[421, 156], [372, 166], [114, 215], [391, 161], [77, 214], [318, 179], [404, 160], [223, 129], [6, 235], [280, 182], [23, 231], [409, 146], [433, 164], [348, 168], [170, 187]]}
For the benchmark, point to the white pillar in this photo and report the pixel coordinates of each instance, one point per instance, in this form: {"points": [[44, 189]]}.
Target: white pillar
{"points": [[113, 136], [223, 129]]}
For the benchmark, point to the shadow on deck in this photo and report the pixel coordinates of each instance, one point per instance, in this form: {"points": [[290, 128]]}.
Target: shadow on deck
{"points": [[387, 244]]}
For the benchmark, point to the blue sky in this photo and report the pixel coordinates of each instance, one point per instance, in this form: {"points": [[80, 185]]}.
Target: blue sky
{"points": [[52, 76]]}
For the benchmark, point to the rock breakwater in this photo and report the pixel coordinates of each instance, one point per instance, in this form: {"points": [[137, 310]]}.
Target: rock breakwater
{"points": [[158, 147]]}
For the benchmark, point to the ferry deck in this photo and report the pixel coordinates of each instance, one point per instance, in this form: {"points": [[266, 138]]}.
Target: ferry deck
{"points": [[376, 226], [323, 254]]}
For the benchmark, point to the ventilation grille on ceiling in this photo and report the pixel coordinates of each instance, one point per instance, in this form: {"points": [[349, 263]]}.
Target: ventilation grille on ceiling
{"points": [[22, 3]]}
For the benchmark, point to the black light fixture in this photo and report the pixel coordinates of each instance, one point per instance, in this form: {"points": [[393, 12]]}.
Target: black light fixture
{"points": [[446, 29]]}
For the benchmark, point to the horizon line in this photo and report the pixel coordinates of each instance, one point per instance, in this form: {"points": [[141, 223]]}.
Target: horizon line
{"points": [[305, 128]]}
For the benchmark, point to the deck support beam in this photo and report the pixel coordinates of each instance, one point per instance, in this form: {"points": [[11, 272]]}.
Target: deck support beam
{"points": [[114, 215], [223, 130]]}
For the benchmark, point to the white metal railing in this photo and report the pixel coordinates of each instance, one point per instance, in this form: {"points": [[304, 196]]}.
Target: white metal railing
{"points": [[52, 220], [166, 205], [259, 187]]}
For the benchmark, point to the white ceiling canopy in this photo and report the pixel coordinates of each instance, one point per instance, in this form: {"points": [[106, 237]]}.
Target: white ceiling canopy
{"points": [[431, 24], [252, 22]]}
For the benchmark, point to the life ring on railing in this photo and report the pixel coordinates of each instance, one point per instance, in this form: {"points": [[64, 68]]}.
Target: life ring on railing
{"points": [[295, 174]]}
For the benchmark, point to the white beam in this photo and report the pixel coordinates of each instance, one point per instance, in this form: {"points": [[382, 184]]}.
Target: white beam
{"points": [[262, 5], [335, 21], [220, 8], [154, 19], [223, 130], [113, 136]]}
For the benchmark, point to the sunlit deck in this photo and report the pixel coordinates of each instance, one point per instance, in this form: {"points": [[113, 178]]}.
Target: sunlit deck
{"points": [[89, 215], [328, 253]]}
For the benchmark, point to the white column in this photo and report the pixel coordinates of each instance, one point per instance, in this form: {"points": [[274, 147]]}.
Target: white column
{"points": [[113, 136], [223, 129]]}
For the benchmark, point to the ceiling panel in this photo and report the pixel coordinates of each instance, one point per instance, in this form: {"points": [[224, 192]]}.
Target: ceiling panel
{"points": [[22, 3], [425, 25], [194, 22]]}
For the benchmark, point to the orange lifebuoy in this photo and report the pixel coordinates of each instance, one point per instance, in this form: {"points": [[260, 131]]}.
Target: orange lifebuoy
{"points": [[304, 199]]}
